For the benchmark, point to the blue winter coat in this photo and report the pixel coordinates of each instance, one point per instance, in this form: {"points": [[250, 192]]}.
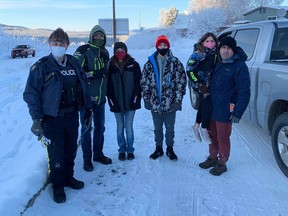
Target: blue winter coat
{"points": [[230, 83], [44, 86]]}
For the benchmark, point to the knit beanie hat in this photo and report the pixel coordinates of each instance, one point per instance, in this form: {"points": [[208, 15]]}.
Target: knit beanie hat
{"points": [[121, 45], [162, 39], [228, 41]]}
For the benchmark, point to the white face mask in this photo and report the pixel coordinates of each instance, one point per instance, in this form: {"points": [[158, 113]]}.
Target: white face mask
{"points": [[58, 51]]}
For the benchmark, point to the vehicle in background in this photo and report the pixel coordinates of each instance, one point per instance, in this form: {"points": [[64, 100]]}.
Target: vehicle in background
{"points": [[22, 51]]}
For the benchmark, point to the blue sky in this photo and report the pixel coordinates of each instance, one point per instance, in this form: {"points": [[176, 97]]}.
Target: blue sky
{"points": [[83, 15]]}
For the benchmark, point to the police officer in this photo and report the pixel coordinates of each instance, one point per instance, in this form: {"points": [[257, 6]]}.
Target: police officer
{"points": [[54, 92]]}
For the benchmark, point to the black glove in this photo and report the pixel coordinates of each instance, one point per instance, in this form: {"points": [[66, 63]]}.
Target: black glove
{"points": [[203, 89], [234, 119], [177, 106], [87, 117], [147, 105], [37, 128]]}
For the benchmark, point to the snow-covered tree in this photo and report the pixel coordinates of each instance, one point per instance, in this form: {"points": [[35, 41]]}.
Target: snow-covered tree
{"points": [[234, 8], [208, 20], [167, 17]]}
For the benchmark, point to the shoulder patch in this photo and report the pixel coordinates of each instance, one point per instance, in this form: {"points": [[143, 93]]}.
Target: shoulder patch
{"points": [[33, 67]]}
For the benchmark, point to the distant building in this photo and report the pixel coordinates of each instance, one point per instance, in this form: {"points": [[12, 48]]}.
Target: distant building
{"points": [[266, 13]]}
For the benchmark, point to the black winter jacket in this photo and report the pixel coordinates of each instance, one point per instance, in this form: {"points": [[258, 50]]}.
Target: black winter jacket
{"points": [[123, 89], [44, 86]]}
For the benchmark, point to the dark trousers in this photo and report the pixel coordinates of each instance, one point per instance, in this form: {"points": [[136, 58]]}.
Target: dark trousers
{"points": [[204, 111], [63, 133], [98, 133], [220, 133], [168, 120]]}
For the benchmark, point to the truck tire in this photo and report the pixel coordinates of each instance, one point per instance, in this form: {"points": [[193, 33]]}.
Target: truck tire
{"points": [[194, 97], [279, 140], [33, 54]]}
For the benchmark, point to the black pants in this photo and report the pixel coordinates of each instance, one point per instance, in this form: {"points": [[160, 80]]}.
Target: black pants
{"points": [[63, 133], [204, 111]]}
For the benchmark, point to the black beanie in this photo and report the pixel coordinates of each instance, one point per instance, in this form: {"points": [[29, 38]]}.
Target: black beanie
{"points": [[228, 41], [120, 45]]}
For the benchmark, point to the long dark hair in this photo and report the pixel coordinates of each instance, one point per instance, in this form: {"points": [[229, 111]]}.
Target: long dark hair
{"points": [[200, 46]]}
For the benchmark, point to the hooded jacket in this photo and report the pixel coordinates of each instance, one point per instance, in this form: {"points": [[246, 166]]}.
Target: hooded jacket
{"points": [[230, 83], [173, 84], [94, 60]]}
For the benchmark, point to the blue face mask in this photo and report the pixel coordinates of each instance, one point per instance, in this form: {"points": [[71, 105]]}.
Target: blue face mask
{"points": [[58, 51]]}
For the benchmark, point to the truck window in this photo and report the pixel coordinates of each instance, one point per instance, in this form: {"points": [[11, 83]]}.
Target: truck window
{"points": [[279, 51], [246, 39]]}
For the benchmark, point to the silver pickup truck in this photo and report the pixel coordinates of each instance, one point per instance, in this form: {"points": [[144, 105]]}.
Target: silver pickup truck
{"points": [[266, 45]]}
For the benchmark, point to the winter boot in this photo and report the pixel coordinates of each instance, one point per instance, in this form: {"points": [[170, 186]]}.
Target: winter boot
{"points": [[122, 156], [130, 156], [88, 166], [59, 195], [74, 183], [205, 135], [197, 135], [170, 153], [218, 169], [208, 163], [157, 153], [103, 159]]}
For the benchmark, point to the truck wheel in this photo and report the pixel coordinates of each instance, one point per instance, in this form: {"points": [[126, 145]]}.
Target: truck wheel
{"points": [[33, 54], [26, 55], [279, 140], [194, 98]]}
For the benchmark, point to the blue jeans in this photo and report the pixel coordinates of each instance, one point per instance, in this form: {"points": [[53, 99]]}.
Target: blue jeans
{"points": [[98, 116], [125, 121]]}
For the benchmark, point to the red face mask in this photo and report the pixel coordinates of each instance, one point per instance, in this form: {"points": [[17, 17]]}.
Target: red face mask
{"points": [[120, 55]]}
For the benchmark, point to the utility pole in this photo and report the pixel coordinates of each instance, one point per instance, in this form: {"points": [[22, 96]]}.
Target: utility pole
{"points": [[114, 23]]}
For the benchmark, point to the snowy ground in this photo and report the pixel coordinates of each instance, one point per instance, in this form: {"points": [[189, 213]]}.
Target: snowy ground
{"points": [[253, 184]]}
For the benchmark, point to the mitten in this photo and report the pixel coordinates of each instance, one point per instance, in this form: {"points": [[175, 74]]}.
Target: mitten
{"points": [[203, 89]]}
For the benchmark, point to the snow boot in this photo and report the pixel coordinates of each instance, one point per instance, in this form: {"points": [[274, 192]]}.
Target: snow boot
{"points": [[103, 159], [218, 169], [130, 156], [170, 153], [59, 195], [74, 183], [122, 156], [208, 163], [88, 166], [157, 153]]}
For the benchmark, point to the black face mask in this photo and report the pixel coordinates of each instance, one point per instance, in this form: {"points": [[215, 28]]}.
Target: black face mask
{"points": [[162, 51]]}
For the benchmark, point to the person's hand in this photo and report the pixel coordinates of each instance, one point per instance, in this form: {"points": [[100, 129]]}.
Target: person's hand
{"points": [[147, 105], [87, 117], [37, 128], [203, 89], [133, 103], [234, 119], [177, 106]]}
